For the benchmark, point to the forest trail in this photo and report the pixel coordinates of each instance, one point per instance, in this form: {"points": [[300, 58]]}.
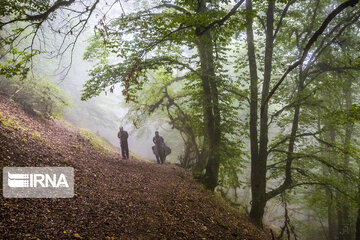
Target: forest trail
{"points": [[114, 199]]}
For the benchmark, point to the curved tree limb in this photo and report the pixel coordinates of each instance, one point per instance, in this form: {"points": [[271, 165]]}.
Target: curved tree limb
{"points": [[316, 35], [221, 21], [42, 16]]}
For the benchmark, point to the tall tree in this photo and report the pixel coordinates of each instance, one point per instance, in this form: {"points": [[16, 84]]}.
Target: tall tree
{"points": [[260, 139]]}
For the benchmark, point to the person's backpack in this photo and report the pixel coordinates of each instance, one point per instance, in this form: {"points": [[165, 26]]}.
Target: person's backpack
{"points": [[167, 150]]}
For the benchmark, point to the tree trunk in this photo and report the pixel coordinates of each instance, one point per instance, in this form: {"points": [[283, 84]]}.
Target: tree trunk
{"points": [[331, 210], [346, 233], [258, 162], [331, 218], [357, 234], [339, 220], [357, 237], [211, 104], [256, 188], [326, 172]]}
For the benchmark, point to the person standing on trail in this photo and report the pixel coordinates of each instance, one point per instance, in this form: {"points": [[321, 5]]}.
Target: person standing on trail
{"points": [[159, 148], [123, 136]]}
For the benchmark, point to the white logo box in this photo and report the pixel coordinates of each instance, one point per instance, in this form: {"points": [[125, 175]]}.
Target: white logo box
{"points": [[38, 182]]}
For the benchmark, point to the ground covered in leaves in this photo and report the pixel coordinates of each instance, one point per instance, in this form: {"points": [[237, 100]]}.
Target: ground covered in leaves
{"points": [[114, 198]]}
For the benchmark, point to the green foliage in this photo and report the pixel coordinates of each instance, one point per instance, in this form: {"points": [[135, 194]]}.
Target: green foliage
{"points": [[16, 59], [36, 95], [18, 65], [22, 8], [152, 38], [342, 117]]}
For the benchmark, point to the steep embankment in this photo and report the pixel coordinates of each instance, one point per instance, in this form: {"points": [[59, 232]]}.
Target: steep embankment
{"points": [[114, 199]]}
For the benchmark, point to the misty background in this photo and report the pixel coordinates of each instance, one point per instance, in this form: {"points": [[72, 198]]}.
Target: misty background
{"points": [[105, 113]]}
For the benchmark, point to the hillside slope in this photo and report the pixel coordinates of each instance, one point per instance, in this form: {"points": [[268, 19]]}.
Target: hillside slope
{"points": [[114, 199]]}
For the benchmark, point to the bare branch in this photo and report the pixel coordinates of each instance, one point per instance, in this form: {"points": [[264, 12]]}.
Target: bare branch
{"points": [[79, 33]]}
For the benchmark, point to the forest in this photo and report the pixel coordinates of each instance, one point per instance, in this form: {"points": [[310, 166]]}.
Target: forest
{"points": [[259, 100]]}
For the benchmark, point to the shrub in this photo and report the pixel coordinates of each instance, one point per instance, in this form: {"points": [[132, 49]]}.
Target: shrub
{"points": [[36, 95]]}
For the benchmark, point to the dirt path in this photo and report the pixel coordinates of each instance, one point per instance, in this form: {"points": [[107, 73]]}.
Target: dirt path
{"points": [[114, 199]]}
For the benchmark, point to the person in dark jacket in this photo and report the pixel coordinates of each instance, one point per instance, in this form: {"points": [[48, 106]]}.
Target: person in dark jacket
{"points": [[159, 148], [123, 136]]}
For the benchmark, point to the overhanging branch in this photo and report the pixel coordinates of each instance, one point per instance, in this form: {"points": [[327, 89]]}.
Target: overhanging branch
{"points": [[42, 16], [221, 21], [316, 35]]}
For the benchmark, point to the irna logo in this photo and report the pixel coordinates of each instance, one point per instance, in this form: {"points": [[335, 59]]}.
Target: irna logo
{"points": [[38, 182]]}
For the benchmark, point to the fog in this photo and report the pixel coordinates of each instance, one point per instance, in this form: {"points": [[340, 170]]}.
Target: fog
{"points": [[104, 114]]}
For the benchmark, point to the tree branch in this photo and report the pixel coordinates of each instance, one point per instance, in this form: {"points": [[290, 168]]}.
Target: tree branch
{"points": [[283, 14], [220, 22], [173, 6], [43, 16], [237, 93], [273, 148], [329, 18]]}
